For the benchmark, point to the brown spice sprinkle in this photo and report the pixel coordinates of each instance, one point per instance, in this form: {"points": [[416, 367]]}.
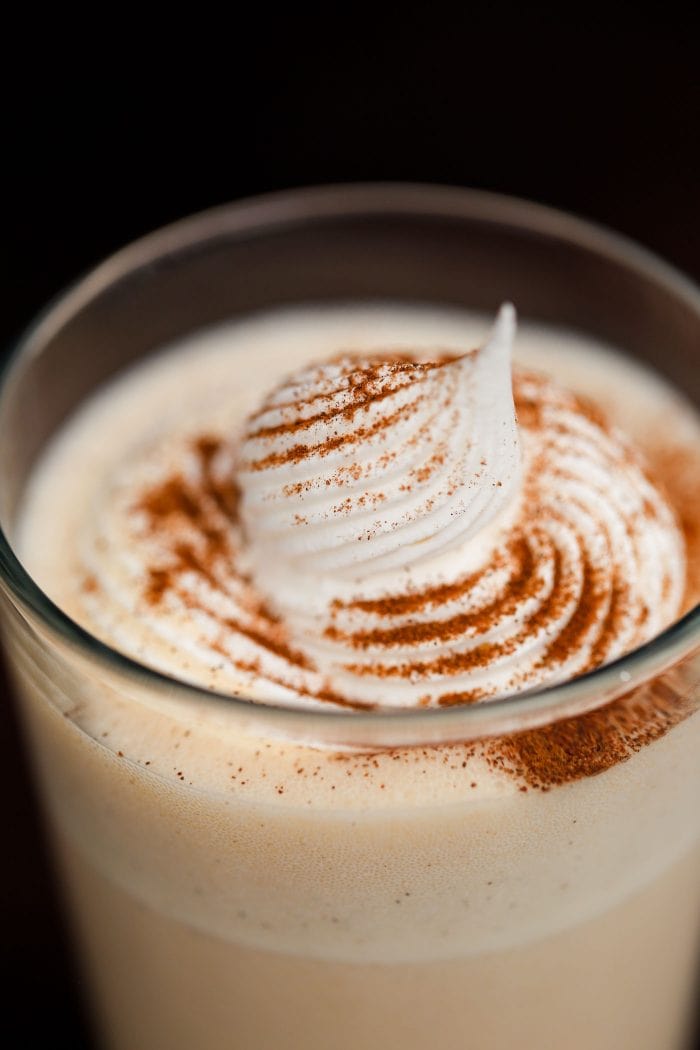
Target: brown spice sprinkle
{"points": [[298, 453], [202, 505], [366, 386], [583, 618], [603, 605], [211, 506], [540, 758], [569, 750], [361, 385], [522, 583], [364, 379], [416, 601], [592, 743]]}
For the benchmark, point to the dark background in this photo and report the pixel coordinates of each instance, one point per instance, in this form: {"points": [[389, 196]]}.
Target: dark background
{"points": [[126, 132]]}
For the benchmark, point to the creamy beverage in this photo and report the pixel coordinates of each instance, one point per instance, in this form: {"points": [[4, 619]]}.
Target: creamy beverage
{"points": [[367, 508]]}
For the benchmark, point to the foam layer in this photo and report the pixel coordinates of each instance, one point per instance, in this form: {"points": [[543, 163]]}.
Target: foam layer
{"points": [[423, 560]]}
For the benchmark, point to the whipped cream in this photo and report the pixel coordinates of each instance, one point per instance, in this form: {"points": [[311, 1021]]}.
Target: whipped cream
{"points": [[378, 530], [355, 467], [389, 522]]}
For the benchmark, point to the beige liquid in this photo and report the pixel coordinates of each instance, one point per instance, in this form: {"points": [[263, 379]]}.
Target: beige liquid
{"points": [[233, 891], [569, 990]]}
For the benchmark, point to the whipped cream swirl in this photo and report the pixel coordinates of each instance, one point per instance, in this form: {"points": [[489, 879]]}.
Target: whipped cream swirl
{"points": [[383, 532], [356, 467]]}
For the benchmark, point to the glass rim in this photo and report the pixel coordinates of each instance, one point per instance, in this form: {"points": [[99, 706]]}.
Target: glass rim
{"points": [[385, 727]]}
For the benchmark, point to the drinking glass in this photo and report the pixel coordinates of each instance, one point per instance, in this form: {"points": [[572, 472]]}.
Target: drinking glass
{"points": [[217, 907]]}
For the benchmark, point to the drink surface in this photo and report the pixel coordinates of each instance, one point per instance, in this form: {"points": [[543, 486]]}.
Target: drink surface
{"points": [[414, 545]]}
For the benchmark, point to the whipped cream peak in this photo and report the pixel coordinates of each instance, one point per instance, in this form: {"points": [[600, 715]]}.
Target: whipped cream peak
{"points": [[360, 466]]}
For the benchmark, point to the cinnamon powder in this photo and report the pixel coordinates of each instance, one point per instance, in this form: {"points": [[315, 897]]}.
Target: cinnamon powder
{"points": [[592, 743], [541, 758]]}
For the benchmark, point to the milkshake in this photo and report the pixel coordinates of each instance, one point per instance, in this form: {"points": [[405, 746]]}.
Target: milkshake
{"points": [[368, 511]]}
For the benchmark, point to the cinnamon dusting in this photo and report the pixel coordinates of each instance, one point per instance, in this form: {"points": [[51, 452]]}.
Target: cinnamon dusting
{"points": [[298, 453], [364, 387], [592, 743], [572, 611], [522, 584]]}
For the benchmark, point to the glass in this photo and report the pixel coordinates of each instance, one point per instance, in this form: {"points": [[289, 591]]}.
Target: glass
{"points": [[213, 909]]}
